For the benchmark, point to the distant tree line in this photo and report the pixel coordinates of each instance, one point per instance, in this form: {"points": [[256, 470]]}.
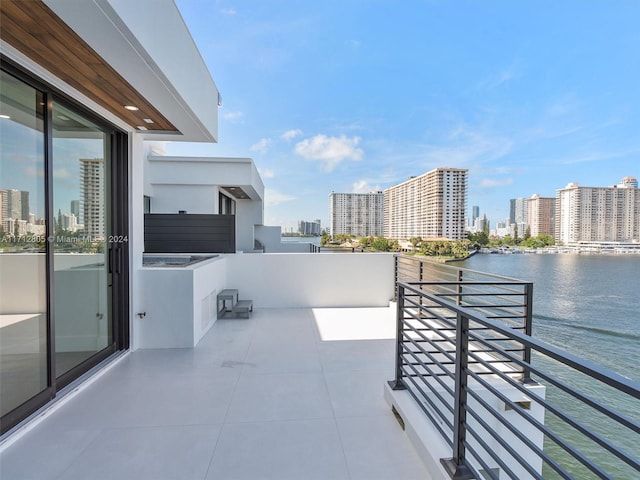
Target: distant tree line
{"points": [[482, 239], [432, 248]]}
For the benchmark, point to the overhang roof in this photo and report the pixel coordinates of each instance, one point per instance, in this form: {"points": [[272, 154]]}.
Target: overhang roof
{"points": [[120, 53]]}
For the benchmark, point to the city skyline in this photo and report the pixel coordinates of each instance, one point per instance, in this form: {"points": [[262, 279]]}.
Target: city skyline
{"points": [[359, 96]]}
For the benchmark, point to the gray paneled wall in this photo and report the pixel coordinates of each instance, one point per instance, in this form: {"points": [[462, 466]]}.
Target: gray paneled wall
{"points": [[189, 233]]}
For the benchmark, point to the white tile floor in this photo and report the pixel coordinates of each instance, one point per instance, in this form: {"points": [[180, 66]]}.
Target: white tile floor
{"points": [[287, 394]]}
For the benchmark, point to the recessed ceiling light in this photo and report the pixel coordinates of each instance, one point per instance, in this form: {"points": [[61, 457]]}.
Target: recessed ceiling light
{"points": [[141, 127], [2, 115], [133, 108], [147, 120]]}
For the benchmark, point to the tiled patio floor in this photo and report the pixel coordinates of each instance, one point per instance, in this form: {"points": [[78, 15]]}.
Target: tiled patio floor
{"points": [[287, 394]]}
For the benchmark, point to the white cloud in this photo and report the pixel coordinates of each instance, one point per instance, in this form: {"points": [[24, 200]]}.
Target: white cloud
{"points": [[262, 146], [266, 173], [467, 147], [34, 172], [362, 186], [291, 134], [273, 197], [502, 76], [61, 173], [596, 157], [228, 11], [234, 117], [494, 182], [330, 151], [563, 106]]}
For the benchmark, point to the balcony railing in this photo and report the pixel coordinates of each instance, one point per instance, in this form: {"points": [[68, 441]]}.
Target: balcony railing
{"points": [[493, 296], [508, 405]]}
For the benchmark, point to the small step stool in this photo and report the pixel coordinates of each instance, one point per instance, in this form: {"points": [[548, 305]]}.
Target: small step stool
{"points": [[235, 307], [227, 295], [242, 307]]}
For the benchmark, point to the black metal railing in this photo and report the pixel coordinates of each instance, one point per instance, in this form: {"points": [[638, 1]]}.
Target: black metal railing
{"points": [[496, 297], [544, 414]]}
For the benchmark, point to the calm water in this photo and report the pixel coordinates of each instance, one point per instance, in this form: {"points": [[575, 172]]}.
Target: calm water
{"points": [[580, 302], [587, 305]]}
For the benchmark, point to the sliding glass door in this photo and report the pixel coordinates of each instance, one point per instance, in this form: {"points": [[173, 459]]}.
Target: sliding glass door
{"points": [[63, 232], [23, 272], [81, 155]]}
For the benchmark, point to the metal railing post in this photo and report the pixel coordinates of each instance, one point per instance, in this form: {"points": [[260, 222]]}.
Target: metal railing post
{"points": [[421, 279], [457, 466], [528, 329], [398, 384], [395, 275]]}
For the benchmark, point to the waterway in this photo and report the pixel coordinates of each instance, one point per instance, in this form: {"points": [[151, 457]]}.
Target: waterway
{"points": [[587, 305]]}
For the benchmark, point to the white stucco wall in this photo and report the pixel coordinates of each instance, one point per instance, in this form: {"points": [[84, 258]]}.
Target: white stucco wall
{"points": [[179, 303], [136, 233], [191, 198], [297, 280], [248, 215]]}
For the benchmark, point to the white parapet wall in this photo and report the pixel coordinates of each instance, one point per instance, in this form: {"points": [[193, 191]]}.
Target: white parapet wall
{"points": [[305, 280], [178, 304]]}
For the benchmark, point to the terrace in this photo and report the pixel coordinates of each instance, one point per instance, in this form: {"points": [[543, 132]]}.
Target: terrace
{"points": [[287, 394], [300, 389]]}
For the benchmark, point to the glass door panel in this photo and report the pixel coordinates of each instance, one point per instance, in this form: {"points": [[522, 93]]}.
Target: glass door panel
{"points": [[81, 155], [23, 274]]}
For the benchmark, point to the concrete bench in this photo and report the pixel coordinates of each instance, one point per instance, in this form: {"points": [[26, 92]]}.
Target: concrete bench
{"points": [[242, 307]]}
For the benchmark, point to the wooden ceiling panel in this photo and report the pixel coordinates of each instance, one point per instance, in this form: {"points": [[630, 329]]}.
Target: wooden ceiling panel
{"points": [[33, 29]]}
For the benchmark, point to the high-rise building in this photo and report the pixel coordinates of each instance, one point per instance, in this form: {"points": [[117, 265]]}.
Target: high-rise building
{"points": [[475, 213], [518, 213], [14, 204], [3, 206], [69, 222], [431, 205], [541, 215], [75, 208], [309, 228], [629, 182], [597, 214], [360, 214], [512, 211], [92, 190]]}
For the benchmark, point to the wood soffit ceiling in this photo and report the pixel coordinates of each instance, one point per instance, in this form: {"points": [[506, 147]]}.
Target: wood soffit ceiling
{"points": [[33, 29]]}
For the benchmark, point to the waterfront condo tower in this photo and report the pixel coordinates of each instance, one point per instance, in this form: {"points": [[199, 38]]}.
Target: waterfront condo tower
{"points": [[92, 183], [597, 214], [360, 214], [431, 205], [541, 213]]}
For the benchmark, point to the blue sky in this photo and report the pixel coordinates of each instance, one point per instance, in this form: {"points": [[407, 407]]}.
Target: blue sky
{"points": [[356, 96]]}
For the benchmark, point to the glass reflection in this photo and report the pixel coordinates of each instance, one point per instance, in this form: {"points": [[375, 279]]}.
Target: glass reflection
{"points": [[23, 328], [82, 325]]}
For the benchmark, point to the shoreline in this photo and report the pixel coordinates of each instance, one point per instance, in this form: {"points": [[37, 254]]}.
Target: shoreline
{"points": [[609, 250]]}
